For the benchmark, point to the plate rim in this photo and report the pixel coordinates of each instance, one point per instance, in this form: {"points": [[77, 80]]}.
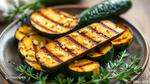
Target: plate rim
{"points": [[79, 7]]}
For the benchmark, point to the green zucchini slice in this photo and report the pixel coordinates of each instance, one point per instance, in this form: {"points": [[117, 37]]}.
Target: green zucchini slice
{"points": [[83, 67], [123, 41], [102, 54], [74, 45], [23, 31], [28, 48], [104, 10], [50, 21]]}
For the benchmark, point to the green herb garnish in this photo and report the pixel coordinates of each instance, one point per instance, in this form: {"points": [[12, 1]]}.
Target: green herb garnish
{"points": [[115, 70], [24, 10], [31, 73]]}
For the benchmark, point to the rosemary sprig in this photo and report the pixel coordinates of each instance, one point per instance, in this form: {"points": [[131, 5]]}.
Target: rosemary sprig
{"points": [[30, 73], [118, 70], [22, 11], [62, 80], [115, 70]]}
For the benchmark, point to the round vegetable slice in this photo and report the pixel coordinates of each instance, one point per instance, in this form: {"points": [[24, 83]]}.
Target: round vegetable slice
{"points": [[123, 41], [102, 54], [83, 67], [50, 21], [28, 47], [23, 31]]}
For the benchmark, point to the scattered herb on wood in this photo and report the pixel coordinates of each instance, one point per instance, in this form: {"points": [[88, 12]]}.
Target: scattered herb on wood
{"points": [[117, 70]]}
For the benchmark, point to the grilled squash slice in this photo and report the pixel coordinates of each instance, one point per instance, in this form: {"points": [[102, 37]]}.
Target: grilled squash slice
{"points": [[29, 46], [50, 21], [123, 41], [102, 54], [23, 31], [74, 45], [84, 68]]}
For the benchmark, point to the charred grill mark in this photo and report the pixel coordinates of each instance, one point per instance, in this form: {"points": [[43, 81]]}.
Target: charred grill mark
{"points": [[100, 33], [35, 48], [51, 54], [100, 52], [74, 41], [33, 62], [26, 34], [67, 50], [80, 66], [105, 26], [84, 35], [35, 51], [23, 33], [57, 11], [42, 26], [48, 41], [56, 23]]}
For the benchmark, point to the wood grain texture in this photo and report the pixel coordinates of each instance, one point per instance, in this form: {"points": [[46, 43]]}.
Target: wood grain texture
{"points": [[2, 80], [139, 15]]}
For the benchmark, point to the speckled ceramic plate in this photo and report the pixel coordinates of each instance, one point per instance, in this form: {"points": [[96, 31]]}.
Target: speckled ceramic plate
{"points": [[9, 57]]}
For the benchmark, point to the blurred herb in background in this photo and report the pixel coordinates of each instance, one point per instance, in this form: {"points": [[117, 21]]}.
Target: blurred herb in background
{"points": [[23, 10]]}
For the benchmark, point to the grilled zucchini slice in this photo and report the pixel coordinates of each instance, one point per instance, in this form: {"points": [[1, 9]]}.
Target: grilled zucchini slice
{"points": [[104, 10], [23, 31], [74, 45], [102, 54], [83, 67], [28, 48], [123, 41], [50, 21]]}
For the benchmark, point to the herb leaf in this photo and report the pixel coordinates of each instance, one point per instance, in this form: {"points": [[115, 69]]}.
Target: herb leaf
{"points": [[22, 11], [63, 80], [31, 73], [115, 70]]}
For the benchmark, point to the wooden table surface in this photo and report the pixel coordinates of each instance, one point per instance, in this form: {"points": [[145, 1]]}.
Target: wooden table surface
{"points": [[139, 15]]}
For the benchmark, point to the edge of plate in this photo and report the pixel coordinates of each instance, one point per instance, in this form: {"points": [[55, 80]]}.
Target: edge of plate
{"points": [[2, 72], [82, 6]]}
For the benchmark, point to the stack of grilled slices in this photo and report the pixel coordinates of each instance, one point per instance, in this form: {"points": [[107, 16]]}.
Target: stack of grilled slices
{"points": [[82, 50]]}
